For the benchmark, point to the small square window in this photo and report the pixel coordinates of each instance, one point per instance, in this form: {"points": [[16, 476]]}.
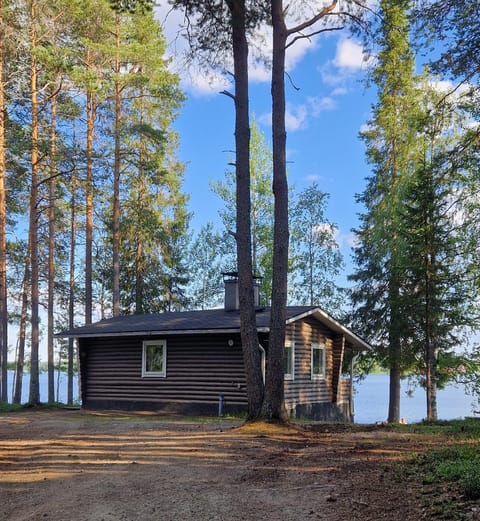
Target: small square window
{"points": [[318, 361], [289, 361], [154, 359]]}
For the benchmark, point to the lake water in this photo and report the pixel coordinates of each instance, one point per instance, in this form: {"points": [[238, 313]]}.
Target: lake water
{"points": [[60, 382], [371, 399]]}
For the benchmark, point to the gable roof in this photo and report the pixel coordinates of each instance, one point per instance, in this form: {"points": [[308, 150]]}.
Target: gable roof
{"points": [[202, 322]]}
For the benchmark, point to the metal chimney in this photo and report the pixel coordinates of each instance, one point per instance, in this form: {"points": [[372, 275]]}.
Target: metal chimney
{"points": [[230, 280]]}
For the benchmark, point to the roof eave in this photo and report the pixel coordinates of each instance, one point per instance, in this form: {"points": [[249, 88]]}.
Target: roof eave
{"points": [[159, 333], [333, 324]]}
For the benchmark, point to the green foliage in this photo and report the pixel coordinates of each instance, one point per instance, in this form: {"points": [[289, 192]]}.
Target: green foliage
{"points": [[390, 141], [418, 246], [458, 463], [316, 260], [9, 407], [261, 212], [449, 476], [206, 255]]}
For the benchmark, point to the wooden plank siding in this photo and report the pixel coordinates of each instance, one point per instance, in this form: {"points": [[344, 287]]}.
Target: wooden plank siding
{"points": [[303, 389], [198, 369], [201, 367], [326, 398]]}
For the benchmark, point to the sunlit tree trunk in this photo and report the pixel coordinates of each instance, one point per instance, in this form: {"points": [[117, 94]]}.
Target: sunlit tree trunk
{"points": [[91, 108], [116, 178], [71, 292], [3, 241], [51, 251], [34, 395]]}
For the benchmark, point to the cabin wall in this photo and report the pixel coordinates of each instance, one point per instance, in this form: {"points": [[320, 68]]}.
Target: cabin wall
{"points": [[199, 369], [327, 398]]}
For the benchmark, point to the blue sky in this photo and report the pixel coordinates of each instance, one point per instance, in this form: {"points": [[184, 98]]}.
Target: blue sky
{"points": [[324, 117]]}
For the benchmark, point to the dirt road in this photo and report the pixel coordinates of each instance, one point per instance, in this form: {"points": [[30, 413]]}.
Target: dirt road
{"points": [[70, 466]]}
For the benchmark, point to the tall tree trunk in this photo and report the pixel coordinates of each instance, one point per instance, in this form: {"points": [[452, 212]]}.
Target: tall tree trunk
{"points": [[116, 180], [274, 405], [394, 391], [22, 332], [431, 343], [395, 354], [91, 115], [71, 291], [248, 328], [51, 251], [34, 395], [3, 240]]}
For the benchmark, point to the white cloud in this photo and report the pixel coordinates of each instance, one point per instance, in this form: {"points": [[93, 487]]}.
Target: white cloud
{"points": [[348, 62], [297, 116], [200, 83], [349, 55], [339, 91], [260, 52], [317, 105], [313, 178]]}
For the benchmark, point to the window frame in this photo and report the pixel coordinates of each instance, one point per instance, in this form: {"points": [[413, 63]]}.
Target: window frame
{"points": [[317, 346], [154, 343], [290, 376]]}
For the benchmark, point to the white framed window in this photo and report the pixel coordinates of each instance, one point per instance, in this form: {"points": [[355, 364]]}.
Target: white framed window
{"points": [[289, 360], [318, 361], [154, 358]]}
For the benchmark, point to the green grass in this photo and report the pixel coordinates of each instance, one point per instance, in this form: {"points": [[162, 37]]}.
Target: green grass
{"points": [[8, 407], [468, 428], [457, 463], [454, 468]]}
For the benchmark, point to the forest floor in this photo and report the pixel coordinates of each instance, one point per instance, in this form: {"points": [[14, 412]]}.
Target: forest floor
{"points": [[66, 465]]}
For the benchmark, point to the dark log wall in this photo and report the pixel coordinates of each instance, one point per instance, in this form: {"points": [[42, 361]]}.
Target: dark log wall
{"points": [[199, 369]]}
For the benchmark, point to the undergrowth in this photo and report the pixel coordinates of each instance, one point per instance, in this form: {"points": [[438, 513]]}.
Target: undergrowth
{"points": [[452, 472]]}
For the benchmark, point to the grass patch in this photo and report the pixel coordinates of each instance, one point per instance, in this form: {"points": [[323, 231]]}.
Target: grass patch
{"points": [[11, 407], [457, 464], [468, 428]]}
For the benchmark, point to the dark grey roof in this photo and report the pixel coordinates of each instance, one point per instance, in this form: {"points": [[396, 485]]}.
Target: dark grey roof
{"points": [[203, 322]]}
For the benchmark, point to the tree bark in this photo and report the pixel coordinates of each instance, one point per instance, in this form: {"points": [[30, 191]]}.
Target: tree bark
{"points": [[3, 240], [273, 405], [71, 291], [116, 181], [248, 328], [34, 395], [394, 394], [51, 253], [91, 114], [22, 332], [395, 354]]}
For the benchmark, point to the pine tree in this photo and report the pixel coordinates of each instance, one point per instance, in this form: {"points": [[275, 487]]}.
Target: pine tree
{"points": [[391, 144]]}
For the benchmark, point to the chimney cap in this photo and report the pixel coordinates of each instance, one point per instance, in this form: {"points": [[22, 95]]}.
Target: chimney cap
{"points": [[231, 276]]}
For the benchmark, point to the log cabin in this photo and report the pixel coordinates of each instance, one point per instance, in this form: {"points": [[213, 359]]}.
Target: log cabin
{"points": [[191, 362]]}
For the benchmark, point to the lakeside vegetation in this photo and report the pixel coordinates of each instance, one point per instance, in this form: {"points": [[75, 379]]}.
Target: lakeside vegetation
{"points": [[450, 475]]}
